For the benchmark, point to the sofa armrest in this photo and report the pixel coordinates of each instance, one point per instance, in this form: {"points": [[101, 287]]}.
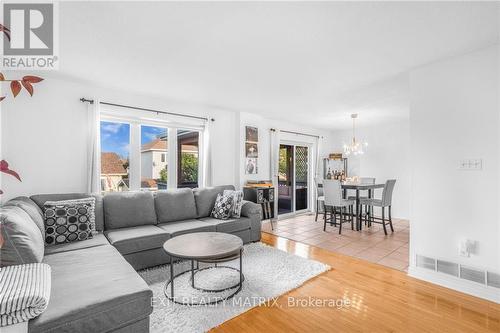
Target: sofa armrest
{"points": [[248, 209], [254, 212]]}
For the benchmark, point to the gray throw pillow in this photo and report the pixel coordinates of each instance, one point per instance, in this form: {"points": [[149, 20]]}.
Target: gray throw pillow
{"points": [[31, 208], [69, 220], [237, 202], [223, 207], [21, 241]]}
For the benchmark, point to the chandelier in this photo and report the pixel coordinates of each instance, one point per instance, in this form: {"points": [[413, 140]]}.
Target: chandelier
{"points": [[354, 147]]}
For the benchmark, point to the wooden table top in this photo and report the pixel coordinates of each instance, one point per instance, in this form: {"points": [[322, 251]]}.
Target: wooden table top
{"points": [[203, 245]]}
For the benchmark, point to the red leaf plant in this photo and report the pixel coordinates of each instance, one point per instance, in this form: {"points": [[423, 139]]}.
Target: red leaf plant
{"points": [[16, 85], [6, 31], [4, 167], [26, 81]]}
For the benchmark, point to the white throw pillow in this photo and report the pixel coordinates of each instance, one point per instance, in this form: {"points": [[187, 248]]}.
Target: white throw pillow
{"points": [[237, 202]]}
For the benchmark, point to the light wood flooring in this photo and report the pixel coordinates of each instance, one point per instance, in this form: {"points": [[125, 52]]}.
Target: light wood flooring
{"points": [[381, 299]]}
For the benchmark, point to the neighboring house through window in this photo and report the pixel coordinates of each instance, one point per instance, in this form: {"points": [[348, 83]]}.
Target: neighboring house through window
{"points": [[115, 139], [155, 163]]}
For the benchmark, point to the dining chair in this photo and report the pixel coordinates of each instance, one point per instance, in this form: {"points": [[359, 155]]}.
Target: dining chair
{"points": [[383, 203], [333, 200], [364, 180], [320, 197]]}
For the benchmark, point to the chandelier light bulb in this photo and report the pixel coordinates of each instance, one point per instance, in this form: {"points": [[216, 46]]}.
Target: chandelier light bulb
{"points": [[355, 147]]}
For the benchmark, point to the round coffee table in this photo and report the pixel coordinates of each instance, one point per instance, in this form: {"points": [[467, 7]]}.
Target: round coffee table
{"points": [[205, 247]]}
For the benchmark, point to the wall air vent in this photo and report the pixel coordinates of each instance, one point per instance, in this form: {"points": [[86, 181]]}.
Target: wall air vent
{"points": [[468, 273], [472, 274], [447, 267], [493, 279], [426, 262]]}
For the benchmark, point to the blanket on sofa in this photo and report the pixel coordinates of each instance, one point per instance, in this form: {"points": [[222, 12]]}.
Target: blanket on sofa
{"points": [[24, 292]]}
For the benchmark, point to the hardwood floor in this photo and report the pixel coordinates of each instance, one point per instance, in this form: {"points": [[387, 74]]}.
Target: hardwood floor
{"points": [[381, 300]]}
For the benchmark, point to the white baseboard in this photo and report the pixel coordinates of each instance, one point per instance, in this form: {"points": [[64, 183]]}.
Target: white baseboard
{"points": [[464, 286]]}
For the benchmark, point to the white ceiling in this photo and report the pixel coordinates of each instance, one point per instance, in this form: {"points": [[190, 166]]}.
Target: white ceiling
{"points": [[312, 63]]}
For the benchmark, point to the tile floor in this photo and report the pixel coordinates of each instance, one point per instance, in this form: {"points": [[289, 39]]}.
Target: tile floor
{"points": [[370, 244]]}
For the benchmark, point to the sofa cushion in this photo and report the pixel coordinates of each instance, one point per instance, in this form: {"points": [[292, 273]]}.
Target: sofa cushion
{"points": [[31, 208], [93, 290], [22, 240], [205, 198], [175, 205], [135, 239], [98, 240], [186, 227], [129, 209], [229, 226], [40, 200]]}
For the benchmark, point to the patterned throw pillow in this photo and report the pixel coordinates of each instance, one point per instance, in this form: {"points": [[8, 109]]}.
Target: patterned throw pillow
{"points": [[69, 220], [237, 202], [223, 207]]}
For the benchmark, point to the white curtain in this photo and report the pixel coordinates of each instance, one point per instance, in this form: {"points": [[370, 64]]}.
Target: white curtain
{"points": [[317, 172], [319, 160], [275, 152], [207, 173], [94, 147]]}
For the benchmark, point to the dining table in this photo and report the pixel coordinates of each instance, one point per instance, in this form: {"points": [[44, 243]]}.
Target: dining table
{"points": [[358, 187]]}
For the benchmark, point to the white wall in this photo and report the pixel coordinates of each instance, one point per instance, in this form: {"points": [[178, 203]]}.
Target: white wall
{"points": [[386, 157], [264, 125], [45, 139], [454, 116]]}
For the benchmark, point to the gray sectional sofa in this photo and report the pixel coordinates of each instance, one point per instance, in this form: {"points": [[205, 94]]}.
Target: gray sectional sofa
{"points": [[95, 286]]}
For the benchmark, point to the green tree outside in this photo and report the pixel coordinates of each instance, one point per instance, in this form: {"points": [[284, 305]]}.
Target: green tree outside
{"points": [[189, 167], [164, 175]]}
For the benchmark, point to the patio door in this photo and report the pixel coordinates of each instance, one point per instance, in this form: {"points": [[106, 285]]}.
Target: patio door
{"points": [[293, 180]]}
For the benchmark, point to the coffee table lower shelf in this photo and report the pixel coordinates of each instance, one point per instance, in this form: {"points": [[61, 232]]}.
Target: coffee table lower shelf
{"points": [[195, 270]]}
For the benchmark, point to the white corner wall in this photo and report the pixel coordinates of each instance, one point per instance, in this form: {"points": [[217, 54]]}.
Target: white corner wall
{"points": [[454, 115], [386, 157], [45, 137]]}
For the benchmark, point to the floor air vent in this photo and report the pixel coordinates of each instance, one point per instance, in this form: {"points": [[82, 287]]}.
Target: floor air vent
{"points": [[426, 262], [447, 267], [460, 271], [472, 274], [493, 280]]}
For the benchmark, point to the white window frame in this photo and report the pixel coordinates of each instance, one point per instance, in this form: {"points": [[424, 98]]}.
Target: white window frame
{"points": [[135, 124]]}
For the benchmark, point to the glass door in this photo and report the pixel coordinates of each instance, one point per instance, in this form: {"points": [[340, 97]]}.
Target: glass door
{"points": [[293, 180], [285, 180], [301, 177]]}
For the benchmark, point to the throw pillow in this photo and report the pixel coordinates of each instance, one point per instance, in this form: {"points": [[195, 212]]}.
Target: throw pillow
{"points": [[21, 241], [223, 207], [237, 202], [69, 220]]}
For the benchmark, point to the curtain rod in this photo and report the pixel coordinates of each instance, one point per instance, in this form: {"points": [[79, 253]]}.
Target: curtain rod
{"points": [[91, 101], [297, 133]]}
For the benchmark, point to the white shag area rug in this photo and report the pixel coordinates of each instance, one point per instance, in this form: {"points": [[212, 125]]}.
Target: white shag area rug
{"points": [[268, 272]]}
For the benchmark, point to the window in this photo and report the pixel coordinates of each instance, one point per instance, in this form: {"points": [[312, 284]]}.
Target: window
{"points": [[154, 144], [115, 143], [147, 156], [187, 158]]}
